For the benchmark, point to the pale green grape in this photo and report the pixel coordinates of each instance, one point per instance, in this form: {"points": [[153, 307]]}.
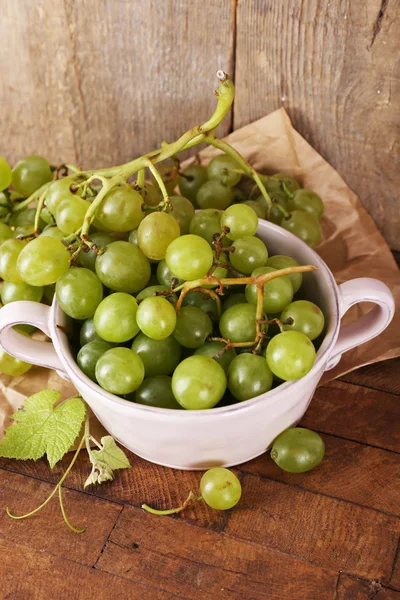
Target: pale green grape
{"points": [[9, 365], [193, 327], [241, 220], [249, 253], [152, 290], [182, 210], [220, 488], [189, 257], [5, 232], [290, 182], [224, 168], [155, 233], [121, 209], [30, 173], [278, 293], [70, 214], [42, 261], [164, 275], [9, 253], [53, 232], [115, 318], [213, 349], [88, 356], [119, 371], [305, 226], [5, 174], [57, 192], [249, 376], [280, 261], [308, 201], [206, 223], [87, 257], [258, 208], [303, 316], [198, 382], [191, 180], [214, 194], [236, 298], [79, 292], [203, 301], [150, 194], [160, 357], [238, 323], [123, 267], [290, 355], [156, 317], [298, 450], [12, 292]]}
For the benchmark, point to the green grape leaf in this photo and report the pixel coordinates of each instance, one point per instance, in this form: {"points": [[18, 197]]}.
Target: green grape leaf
{"points": [[105, 461], [41, 428]]}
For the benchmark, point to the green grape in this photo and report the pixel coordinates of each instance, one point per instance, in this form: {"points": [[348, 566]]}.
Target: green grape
{"points": [[45, 216], [156, 317], [79, 292], [25, 217], [87, 257], [249, 376], [223, 168], [238, 196], [305, 226], [298, 450], [290, 182], [5, 203], [70, 214], [232, 300], [88, 333], [150, 194], [303, 316], [308, 201], [53, 232], [191, 180], [152, 290], [258, 208], [214, 194], [203, 301], [157, 392], [9, 365], [42, 261], [132, 237], [206, 223], [119, 371], [193, 327], [6, 233], [276, 214], [115, 318], [238, 323], [290, 355], [57, 192], [88, 356], [213, 349], [5, 174], [160, 357], [9, 253], [170, 177], [165, 277], [121, 209], [30, 173], [24, 231], [219, 271], [123, 267], [198, 382], [278, 293], [280, 261], [275, 191], [189, 257], [155, 233], [12, 292], [250, 253], [220, 488], [241, 221], [182, 211]]}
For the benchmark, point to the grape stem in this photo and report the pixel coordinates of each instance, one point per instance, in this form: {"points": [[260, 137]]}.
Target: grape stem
{"points": [[191, 499], [165, 203]]}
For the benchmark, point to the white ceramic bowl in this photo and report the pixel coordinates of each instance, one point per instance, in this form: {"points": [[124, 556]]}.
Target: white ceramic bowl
{"points": [[223, 436]]}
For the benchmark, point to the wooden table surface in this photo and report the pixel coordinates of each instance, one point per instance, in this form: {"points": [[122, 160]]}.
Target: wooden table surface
{"points": [[332, 533]]}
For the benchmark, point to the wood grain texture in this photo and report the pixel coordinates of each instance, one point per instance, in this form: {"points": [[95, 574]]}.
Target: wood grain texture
{"points": [[378, 376], [335, 67], [353, 588], [395, 580]]}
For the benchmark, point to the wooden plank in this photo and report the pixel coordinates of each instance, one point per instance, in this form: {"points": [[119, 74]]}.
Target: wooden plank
{"points": [[316, 528], [102, 82], [384, 376], [356, 413], [395, 580], [202, 564], [26, 574], [46, 531], [350, 471], [332, 66], [353, 588]]}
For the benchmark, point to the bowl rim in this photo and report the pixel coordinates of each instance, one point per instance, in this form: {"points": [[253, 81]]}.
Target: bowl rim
{"points": [[63, 350]]}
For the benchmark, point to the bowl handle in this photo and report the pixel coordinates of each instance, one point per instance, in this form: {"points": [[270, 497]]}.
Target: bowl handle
{"points": [[363, 289], [32, 351]]}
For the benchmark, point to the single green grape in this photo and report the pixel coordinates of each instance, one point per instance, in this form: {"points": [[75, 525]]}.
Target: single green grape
{"points": [[5, 203], [5, 174], [303, 316], [132, 237], [70, 214], [152, 290], [214, 194], [10, 365], [275, 191], [224, 168], [88, 356], [308, 201], [238, 323], [182, 210], [160, 357], [88, 333], [150, 194], [258, 208], [213, 349], [12, 292], [157, 392], [290, 355], [121, 209], [79, 292], [203, 301], [278, 293], [298, 450], [189, 257], [232, 299], [249, 253], [169, 175], [115, 318], [53, 232], [6, 233], [280, 261], [25, 217], [305, 226], [9, 253], [249, 376], [219, 271], [57, 192], [123, 267], [276, 215], [241, 220], [155, 233], [290, 182], [192, 328], [87, 257], [238, 196], [156, 317], [42, 261], [164, 275], [220, 488], [30, 173], [119, 371], [207, 223], [198, 382], [24, 231], [191, 180]]}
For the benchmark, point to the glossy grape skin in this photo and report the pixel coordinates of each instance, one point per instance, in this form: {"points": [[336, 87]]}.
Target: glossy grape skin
{"points": [[5, 204], [6, 233], [307, 317], [214, 194], [9, 253], [189, 257], [70, 214], [198, 382], [121, 209], [182, 211], [12, 292], [290, 355], [149, 194], [87, 258], [79, 292], [298, 450], [160, 357], [42, 261], [53, 232], [308, 201], [119, 371], [250, 253], [241, 221], [276, 215], [5, 174], [290, 182], [258, 208], [280, 261], [155, 233], [156, 317], [193, 327], [223, 168], [123, 267], [29, 174], [9, 365], [152, 290], [305, 226], [236, 298], [238, 323], [212, 349], [202, 301], [164, 275], [278, 293], [115, 318], [25, 217], [88, 333], [88, 356], [249, 376], [57, 192], [220, 488], [206, 223], [157, 392], [191, 180]]}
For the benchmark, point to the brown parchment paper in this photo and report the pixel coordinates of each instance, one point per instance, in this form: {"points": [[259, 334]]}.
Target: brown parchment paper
{"points": [[352, 247]]}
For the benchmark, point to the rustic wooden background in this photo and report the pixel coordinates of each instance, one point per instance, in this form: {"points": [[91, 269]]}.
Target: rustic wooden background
{"points": [[98, 82]]}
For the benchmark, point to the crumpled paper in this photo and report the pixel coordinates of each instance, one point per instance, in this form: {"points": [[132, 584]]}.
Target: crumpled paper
{"points": [[352, 247]]}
